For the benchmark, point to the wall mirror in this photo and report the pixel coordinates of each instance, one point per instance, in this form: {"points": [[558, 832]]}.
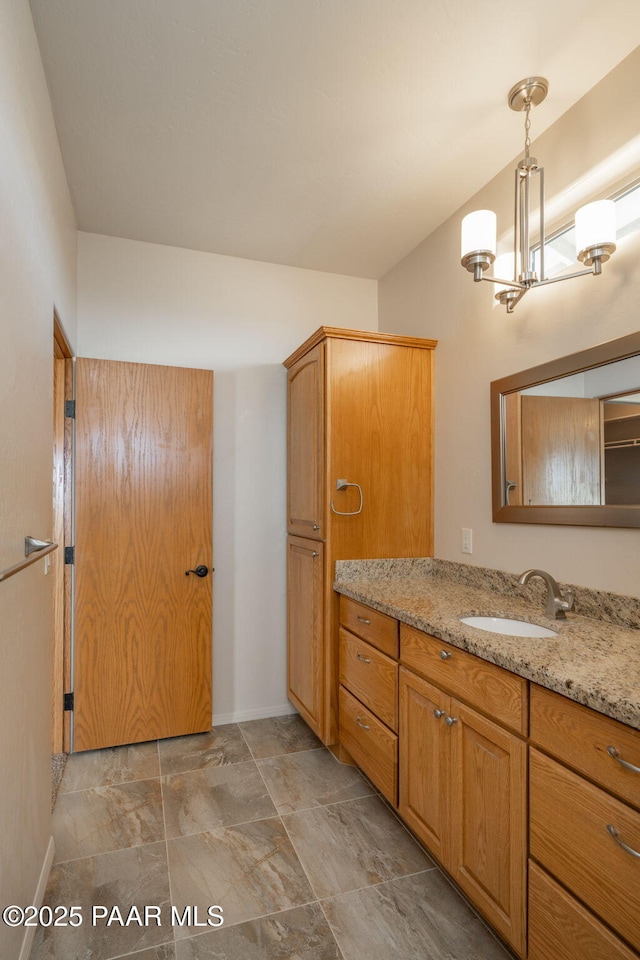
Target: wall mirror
{"points": [[566, 439]]}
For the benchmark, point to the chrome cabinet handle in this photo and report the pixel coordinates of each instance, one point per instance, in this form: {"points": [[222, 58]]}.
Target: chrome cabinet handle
{"points": [[450, 721], [611, 830], [315, 554], [361, 724], [439, 714], [363, 659], [342, 485], [364, 620], [624, 763], [445, 654], [315, 526]]}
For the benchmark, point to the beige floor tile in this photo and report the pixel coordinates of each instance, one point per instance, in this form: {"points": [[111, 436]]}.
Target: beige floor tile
{"points": [[311, 778], [135, 877], [249, 870], [302, 933], [221, 746], [278, 735], [89, 822], [353, 844], [102, 768], [166, 951], [215, 797], [414, 918]]}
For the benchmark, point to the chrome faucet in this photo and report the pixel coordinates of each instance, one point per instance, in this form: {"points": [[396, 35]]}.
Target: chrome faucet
{"points": [[556, 603]]}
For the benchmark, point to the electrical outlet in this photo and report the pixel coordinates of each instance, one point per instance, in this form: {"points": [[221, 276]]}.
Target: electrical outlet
{"points": [[467, 540]]}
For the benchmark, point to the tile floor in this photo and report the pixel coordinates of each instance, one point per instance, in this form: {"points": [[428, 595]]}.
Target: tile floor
{"points": [[305, 859]]}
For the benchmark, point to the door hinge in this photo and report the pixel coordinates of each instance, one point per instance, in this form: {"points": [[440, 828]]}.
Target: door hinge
{"points": [[69, 554], [68, 701], [70, 409]]}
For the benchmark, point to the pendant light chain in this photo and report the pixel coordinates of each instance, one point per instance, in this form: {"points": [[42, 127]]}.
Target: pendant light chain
{"points": [[527, 127]]}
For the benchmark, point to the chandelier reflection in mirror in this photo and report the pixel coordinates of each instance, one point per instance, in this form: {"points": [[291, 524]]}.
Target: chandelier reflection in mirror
{"points": [[595, 222]]}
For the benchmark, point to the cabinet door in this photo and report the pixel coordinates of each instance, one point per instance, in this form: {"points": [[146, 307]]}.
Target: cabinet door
{"points": [[488, 810], [305, 499], [305, 628], [424, 744]]}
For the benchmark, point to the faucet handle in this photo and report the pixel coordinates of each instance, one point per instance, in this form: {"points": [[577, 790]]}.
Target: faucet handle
{"points": [[568, 601]]}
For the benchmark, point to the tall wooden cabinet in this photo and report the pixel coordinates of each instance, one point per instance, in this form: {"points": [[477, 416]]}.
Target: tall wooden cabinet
{"points": [[360, 486]]}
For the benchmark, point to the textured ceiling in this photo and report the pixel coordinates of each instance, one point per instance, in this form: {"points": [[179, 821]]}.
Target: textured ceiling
{"points": [[330, 134]]}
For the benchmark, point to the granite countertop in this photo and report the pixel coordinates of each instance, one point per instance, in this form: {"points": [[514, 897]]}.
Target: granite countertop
{"points": [[595, 662]]}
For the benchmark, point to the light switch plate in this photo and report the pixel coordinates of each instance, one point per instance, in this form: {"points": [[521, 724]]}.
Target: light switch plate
{"points": [[467, 540]]}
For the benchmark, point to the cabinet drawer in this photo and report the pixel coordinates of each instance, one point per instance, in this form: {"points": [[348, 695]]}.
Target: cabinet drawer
{"points": [[377, 628], [569, 836], [581, 738], [561, 929], [371, 676], [372, 745], [492, 690]]}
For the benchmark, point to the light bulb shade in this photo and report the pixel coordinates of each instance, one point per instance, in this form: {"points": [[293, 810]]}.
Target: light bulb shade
{"points": [[595, 228], [478, 233]]}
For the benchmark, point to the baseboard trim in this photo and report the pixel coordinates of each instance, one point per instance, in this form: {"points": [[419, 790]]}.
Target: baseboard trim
{"points": [[30, 932], [260, 713]]}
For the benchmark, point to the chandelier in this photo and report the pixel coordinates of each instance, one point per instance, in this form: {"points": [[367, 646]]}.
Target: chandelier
{"points": [[595, 222]]}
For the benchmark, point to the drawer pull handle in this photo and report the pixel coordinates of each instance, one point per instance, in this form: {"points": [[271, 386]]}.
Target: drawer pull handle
{"points": [[445, 654], [363, 659], [624, 763], [614, 833], [315, 554], [315, 526], [364, 620], [361, 724], [450, 721], [439, 714]]}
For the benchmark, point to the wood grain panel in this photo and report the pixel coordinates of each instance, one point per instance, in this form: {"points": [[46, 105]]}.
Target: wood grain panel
{"points": [[371, 744], [580, 738], [305, 446], [376, 628], [569, 837], [142, 660], [371, 676], [425, 772], [488, 807], [379, 435], [561, 451], [561, 929], [305, 622], [489, 688]]}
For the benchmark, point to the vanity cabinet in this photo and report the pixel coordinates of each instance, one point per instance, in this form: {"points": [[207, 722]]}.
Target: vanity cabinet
{"points": [[368, 696], [463, 773], [584, 830], [360, 454]]}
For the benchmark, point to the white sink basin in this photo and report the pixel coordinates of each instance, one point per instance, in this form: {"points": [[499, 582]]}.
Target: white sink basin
{"points": [[512, 628]]}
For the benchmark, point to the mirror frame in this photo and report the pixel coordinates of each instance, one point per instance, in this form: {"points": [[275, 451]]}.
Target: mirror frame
{"points": [[591, 516]]}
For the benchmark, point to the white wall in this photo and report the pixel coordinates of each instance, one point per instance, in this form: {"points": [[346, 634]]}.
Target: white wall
{"points": [[154, 304], [37, 267], [429, 294]]}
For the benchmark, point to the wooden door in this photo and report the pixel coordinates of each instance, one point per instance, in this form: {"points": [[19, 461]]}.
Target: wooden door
{"points": [[424, 744], [305, 628], [305, 447], [143, 480], [561, 451], [489, 826]]}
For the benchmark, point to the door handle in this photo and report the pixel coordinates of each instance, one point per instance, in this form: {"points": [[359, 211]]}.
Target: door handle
{"points": [[200, 571]]}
